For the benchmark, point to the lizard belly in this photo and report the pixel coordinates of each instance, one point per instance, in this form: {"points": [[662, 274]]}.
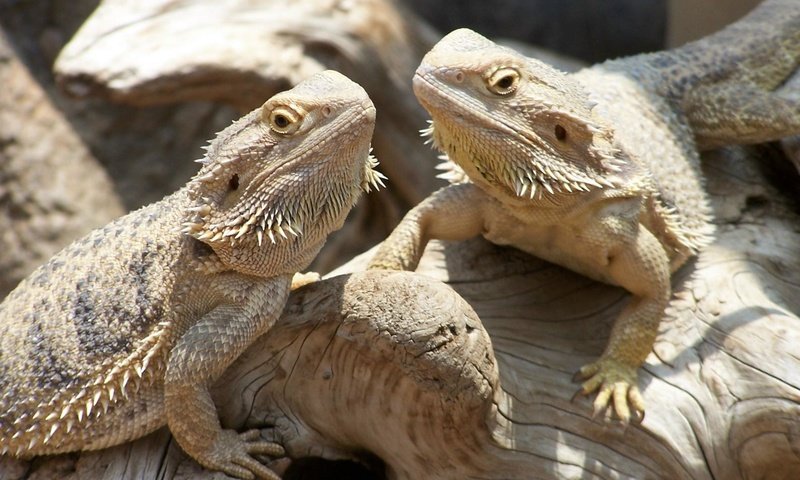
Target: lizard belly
{"points": [[559, 244]]}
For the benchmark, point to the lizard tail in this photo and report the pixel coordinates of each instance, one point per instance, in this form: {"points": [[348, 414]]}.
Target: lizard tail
{"points": [[733, 83]]}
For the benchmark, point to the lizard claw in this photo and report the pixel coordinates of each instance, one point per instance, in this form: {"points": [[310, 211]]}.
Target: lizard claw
{"points": [[233, 454], [615, 383]]}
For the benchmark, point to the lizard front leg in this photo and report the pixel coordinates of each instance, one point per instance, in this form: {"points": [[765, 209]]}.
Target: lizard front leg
{"points": [[641, 266], [200, 356], [452, 213]]}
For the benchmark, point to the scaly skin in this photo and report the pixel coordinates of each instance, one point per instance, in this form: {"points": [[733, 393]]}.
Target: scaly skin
{"points": [[124, 330], [597, 171]]}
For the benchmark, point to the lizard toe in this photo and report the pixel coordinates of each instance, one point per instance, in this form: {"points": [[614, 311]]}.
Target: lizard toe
{"points": [[233, 454], [601, 400], [303, 279], [586, 372], [637, 403], [615, 383], [261, 447]]}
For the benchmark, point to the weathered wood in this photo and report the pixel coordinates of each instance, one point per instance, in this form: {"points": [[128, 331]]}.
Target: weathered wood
{"points": [[52, 189], [404, 372], [146, 151]]}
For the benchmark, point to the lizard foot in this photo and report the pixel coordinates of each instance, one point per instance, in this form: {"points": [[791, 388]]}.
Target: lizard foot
{"points": [[233, 454], [615, 383], [303, 279]]}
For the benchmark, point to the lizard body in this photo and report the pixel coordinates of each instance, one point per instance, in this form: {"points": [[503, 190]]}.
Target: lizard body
{"points": [[598, 171], [124, 330]]}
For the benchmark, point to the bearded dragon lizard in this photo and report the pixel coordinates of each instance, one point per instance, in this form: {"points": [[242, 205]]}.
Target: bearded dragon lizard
{"points": [[598, 171], [124, 330]]}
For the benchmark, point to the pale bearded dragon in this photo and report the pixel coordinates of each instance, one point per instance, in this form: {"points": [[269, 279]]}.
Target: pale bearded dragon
{"points": [[124, 330], [598, 171]]}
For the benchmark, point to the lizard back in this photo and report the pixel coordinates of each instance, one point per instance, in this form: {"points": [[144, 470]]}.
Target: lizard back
{"points": [[67, 352], [659, 138]]}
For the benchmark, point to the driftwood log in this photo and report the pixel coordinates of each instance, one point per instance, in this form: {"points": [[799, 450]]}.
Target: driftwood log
{"points": [[68, 166], [395, 370], [52, 189], [242, 52]]}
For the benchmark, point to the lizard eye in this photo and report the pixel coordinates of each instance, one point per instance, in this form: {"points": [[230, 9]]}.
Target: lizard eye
{"points": [[284, 120], [503, 81]]}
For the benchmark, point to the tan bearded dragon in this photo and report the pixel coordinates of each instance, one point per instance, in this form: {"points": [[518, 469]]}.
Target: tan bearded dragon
{"points": [[598, 171], [124, 330]]}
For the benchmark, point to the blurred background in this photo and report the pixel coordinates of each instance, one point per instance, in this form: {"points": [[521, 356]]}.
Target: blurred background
{"points": [[102, 120]]}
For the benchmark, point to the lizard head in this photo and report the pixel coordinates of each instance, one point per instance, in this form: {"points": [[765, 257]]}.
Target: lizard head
{"points": [[276, 182], [511, 122]]}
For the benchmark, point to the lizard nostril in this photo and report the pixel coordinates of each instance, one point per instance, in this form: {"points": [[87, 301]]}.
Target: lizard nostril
{"points": [[458, 76]]}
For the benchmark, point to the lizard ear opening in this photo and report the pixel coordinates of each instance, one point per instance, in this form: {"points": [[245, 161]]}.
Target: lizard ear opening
{"points": [[561, 133], [233, 183]]}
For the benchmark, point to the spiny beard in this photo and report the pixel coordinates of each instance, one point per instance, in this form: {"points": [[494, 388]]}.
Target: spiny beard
{"points": [[526, 175], [372, 178]]}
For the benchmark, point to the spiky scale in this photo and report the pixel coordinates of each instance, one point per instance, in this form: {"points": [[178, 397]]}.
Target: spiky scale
{"points": [[53, 430], [242, 231], [126, 377]]}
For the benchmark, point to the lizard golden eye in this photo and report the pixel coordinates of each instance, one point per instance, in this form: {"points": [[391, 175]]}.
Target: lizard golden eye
{"points": [[561, 133], [503, 81], [281, 121], [284, 120]]}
